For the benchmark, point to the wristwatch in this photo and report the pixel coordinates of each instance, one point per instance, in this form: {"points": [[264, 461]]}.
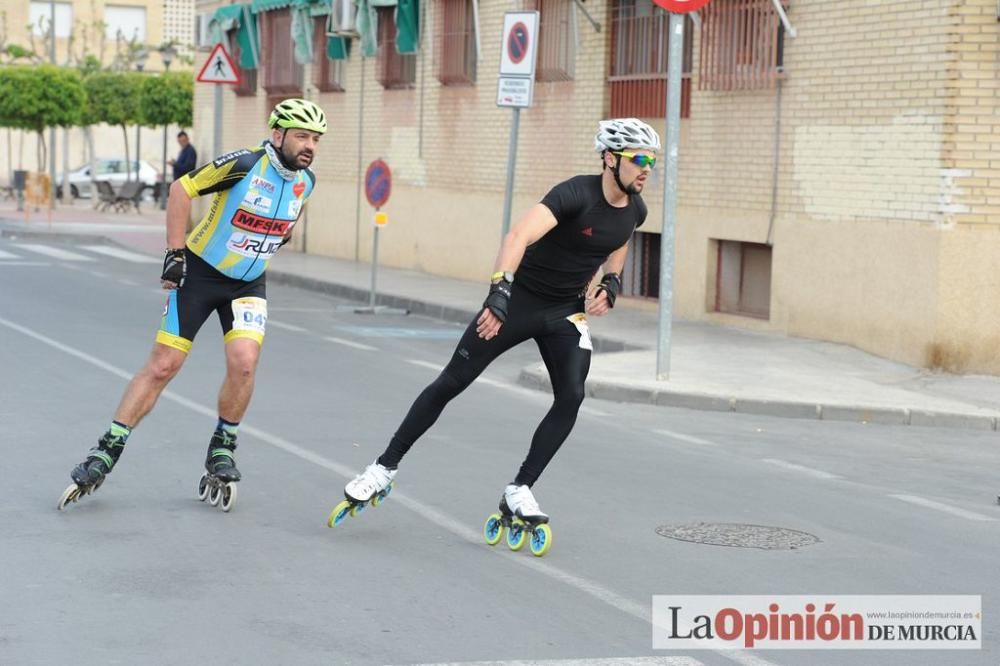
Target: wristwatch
{"points": [[502, 275]]}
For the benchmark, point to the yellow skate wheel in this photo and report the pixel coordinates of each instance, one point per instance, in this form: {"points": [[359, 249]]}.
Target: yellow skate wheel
{"points": [[517, 534], [378, 498], [493, 529], [541, 540], [357, 508], [339, 513]]}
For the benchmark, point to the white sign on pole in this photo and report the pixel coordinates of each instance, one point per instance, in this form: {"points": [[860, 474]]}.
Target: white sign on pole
{"points": [[219, 68], [518, 51], [515, 91]]}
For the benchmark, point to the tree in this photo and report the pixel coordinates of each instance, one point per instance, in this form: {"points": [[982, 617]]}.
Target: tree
{"points": [[113, 98], [167, 98], [41, 96]]}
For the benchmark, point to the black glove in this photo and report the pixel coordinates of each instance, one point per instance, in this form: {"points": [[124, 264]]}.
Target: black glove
{"points": [[498, 299], [174, 267], [612, 284]]}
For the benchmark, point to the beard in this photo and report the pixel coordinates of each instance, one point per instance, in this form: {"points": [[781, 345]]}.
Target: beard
{"points": [[294, 160]]}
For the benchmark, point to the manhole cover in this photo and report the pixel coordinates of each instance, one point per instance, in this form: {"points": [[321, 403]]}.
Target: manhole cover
{"points": [[738, 535]]}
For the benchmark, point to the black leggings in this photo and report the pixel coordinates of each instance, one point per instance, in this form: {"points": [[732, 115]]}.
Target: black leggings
{"points": [[562, 345]]}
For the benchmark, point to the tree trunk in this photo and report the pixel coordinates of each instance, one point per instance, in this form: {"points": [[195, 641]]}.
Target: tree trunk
{"points": [[128, 162]]}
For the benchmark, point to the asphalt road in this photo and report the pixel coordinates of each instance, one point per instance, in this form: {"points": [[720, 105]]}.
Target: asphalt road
{"points": [[143, 573]]}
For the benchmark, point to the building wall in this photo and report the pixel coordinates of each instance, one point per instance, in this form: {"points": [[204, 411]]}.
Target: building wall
{"points": [[870, 170]]}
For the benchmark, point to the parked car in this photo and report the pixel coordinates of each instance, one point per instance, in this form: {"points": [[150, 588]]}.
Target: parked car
{"points": [[109, 169]]}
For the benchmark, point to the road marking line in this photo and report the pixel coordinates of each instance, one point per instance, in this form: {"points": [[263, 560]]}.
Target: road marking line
{"points": [[351, 343], [119, 253], [609, 661], [802, 469], [53, 252], [287, 327], [946, 508], [690, 439]]}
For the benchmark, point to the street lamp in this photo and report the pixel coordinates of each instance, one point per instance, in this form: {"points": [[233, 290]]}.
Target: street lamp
{"points": [[141, 56], [167, 53]]}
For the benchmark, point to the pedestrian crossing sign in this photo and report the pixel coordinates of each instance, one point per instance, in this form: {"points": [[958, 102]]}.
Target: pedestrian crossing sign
{"points": [[219, 67]]}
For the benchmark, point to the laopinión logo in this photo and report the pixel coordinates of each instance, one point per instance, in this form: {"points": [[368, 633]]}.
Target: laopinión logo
{"points": [[826, 622]]}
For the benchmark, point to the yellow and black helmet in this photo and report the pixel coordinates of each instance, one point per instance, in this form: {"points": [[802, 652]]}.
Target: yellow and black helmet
{"points": [[298, 114]]}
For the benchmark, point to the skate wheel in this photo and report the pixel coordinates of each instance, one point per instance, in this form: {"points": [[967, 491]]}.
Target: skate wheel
{"points": [[541, 540], [493, 529], [357, 508], [69, 495], [215, 496], [516, 535], [203, 487], [339, 513], [228, 496]]}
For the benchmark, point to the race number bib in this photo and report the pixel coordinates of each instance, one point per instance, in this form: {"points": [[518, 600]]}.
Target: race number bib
{"points": [[580, 321], [250, 314]]}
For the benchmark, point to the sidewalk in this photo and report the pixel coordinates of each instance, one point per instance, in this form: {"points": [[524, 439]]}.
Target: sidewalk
{"points": [[712, 368]]}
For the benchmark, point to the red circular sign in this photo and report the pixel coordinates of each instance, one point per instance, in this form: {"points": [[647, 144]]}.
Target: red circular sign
{"points": [[681, 6], [517, 42], [378, 183]]}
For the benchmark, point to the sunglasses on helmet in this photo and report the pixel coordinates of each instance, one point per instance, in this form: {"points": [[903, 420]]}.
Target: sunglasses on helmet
{"points": [[638, 159]]}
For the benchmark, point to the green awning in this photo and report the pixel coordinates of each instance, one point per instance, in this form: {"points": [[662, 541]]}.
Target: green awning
{"points": [[239, 18], [258, 6], [408, 26], [338, 48], [302, 35], [407, 17]]}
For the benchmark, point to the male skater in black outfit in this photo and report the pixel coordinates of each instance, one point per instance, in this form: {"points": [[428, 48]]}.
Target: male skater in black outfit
{"points": [[538, 291]]}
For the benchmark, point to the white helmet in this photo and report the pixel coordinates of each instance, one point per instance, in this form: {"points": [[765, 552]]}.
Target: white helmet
{"points": [[621, 133]]}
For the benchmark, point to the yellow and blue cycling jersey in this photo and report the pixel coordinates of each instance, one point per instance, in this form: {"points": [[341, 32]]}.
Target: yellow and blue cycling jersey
{"points": [[252, 210]]}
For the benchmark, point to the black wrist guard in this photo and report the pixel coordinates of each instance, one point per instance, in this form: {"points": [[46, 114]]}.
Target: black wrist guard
{"points": [[174, 267], [499, 299], [611, 283]]}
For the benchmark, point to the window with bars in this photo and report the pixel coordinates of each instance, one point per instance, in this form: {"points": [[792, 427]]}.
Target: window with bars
{"points": [[556, 39], [247, 86], [328, 75], [742, 45], [457, 50], [282, 75], [394, 70], [639, 54]]}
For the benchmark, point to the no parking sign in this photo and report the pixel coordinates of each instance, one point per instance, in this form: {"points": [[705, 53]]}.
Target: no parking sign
{"points": [[681, 6]]}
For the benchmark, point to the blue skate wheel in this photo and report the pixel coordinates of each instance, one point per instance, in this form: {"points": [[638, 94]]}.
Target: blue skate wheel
{"points": [[516, 535], [493, 529], [339, 513], [357, 509], [541, 540]]}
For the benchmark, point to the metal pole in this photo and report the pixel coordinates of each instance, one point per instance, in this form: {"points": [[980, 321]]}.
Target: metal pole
{"points": [[670, 195], [361, 126], [371, 298], [163, 185], [511, 162], [52, 130], [217, 139]]}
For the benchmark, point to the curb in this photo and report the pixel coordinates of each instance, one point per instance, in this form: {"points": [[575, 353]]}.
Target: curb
{"points": [[31, 234], [536, 378]]}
